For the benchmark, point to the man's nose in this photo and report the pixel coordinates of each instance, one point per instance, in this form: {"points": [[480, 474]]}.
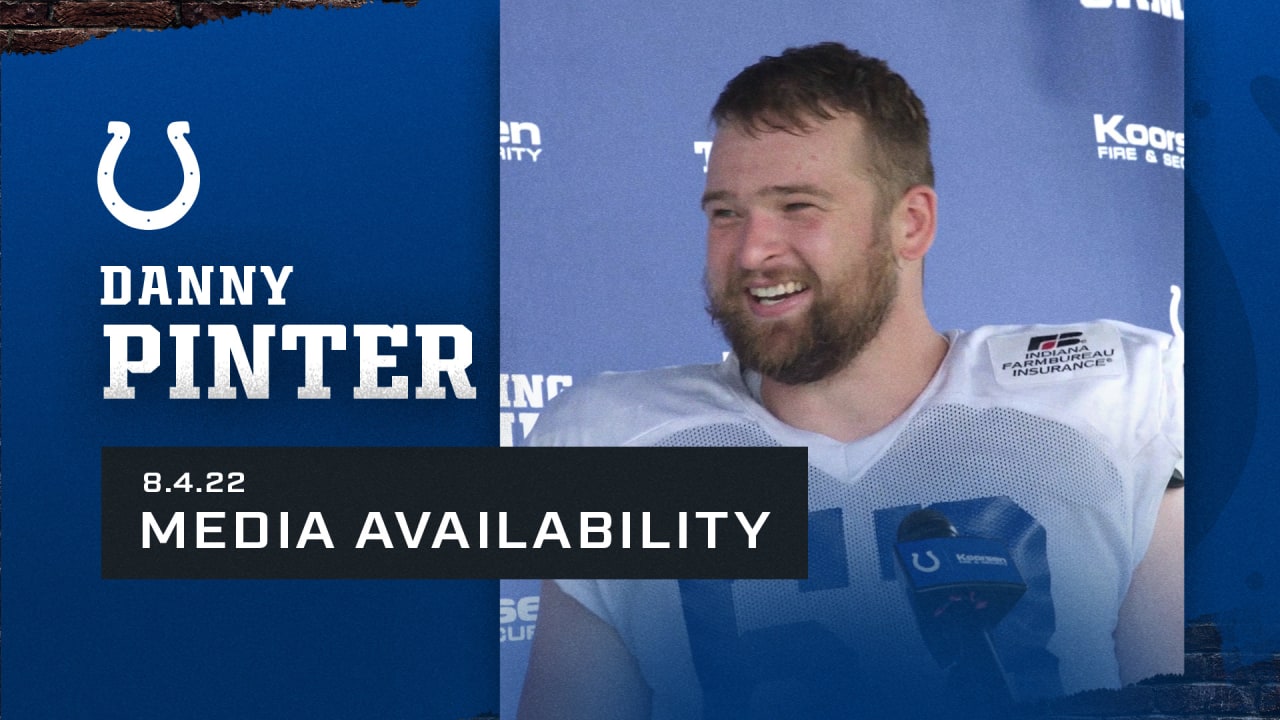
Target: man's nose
{"points": [[761, 242]]}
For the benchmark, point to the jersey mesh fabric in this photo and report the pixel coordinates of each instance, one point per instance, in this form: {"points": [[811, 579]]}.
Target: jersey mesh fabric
{"points": [[993, 471]]}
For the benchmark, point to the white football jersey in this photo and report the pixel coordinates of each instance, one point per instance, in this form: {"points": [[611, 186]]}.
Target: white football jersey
{"points": [[1057, 441]]}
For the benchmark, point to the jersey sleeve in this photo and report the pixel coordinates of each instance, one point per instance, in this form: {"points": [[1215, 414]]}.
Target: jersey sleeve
{"points": [[633, 408], [1160, 462], [1118, 383]]}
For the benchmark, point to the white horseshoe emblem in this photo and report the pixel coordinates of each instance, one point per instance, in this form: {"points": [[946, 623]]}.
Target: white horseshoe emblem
{"points": [[154, 219], [915, 560]]}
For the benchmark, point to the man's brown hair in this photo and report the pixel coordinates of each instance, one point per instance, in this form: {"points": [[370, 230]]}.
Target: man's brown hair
{"points": [[815, 83]]}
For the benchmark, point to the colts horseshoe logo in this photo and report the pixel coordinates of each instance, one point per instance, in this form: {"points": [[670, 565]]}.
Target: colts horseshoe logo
{"points": [[932, 567], [154, 219]]}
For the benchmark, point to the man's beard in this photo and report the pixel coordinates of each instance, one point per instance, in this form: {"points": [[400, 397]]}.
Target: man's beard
{"points": [[842, 319]]}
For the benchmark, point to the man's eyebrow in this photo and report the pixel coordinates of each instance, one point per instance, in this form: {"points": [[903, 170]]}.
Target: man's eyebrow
{"points": [[713, 195], [803, 189], [772, 191]]}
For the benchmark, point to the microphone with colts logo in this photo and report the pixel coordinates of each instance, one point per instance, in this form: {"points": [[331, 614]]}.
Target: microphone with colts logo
{"points": [[960, 589]]}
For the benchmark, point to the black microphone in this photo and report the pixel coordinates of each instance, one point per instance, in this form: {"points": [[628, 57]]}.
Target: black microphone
{"points": [[960, 588]]}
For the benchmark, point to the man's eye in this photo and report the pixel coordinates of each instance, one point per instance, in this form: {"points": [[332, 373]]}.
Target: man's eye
{"points": [[720, 213], [797, 206]]}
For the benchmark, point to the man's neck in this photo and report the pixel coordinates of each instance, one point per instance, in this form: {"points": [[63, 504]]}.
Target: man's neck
{"points": [[866, 395]]}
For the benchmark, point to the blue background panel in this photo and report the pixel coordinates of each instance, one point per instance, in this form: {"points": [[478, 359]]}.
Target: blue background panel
{"points": [[355, 146]]}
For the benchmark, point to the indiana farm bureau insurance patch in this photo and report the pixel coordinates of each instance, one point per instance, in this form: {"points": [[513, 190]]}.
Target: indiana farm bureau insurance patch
{"points": [[1057, 353]]}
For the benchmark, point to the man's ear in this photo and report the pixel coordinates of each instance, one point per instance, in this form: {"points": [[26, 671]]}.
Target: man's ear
{"points": [[915, 220]]}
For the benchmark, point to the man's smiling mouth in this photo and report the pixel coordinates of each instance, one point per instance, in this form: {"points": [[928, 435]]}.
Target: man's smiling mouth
{"points": [[774, 294]]}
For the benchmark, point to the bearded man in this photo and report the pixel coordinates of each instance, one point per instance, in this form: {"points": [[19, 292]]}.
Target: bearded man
{"points": [[1059, 442]]}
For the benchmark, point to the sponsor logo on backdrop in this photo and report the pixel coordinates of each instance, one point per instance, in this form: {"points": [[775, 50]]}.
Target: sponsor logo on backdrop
{"points": [[516, 618], [1168, 8], [519, 141], [703, 148], [144, 219], [1125, 139], [521, 397]]}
